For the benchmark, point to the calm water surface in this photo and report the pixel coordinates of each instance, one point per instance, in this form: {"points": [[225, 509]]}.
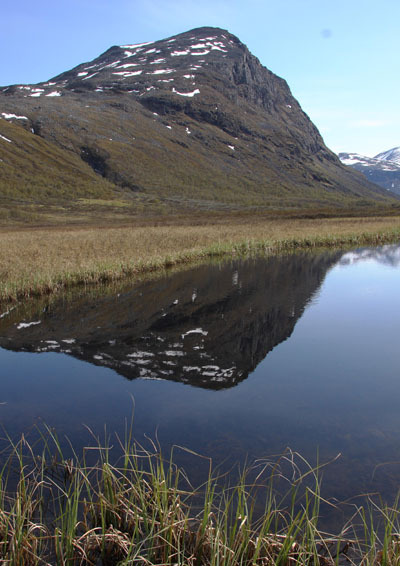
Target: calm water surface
{"points": [[237, 361]]}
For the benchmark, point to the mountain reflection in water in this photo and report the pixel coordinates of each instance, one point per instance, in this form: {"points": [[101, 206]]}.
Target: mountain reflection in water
{"points": [[331, 389], [208, 327]]}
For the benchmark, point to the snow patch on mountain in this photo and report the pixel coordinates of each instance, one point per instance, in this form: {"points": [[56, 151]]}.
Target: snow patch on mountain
{"points": [[383, 169], [392, 155], [13, 116], [384, 164], [190, 94], [136, 45]]}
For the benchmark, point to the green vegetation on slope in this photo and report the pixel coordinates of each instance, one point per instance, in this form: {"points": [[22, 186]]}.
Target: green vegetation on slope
{"points": [[33, 169], [99, 150]]}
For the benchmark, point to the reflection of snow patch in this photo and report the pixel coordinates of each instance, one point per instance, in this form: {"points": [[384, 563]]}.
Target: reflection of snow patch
{"points": [[69, 340], [7, 312], [195, 331], [27, 324], [174, 353]]}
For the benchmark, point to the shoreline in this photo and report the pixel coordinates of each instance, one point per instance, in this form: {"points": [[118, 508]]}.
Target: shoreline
{"points": [[42, 261]]}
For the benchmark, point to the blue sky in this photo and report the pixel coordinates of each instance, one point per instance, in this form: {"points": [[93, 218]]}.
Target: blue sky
{"points": [[340, 58]]}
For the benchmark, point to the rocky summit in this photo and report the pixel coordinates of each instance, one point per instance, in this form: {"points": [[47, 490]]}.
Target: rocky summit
{"points": [[189, 122]]}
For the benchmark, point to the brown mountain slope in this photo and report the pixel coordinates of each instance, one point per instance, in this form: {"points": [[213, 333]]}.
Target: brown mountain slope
{"points": [[194, 121]]}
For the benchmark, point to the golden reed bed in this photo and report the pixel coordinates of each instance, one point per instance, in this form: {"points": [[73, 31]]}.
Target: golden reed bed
{"points": [[35, 261]]}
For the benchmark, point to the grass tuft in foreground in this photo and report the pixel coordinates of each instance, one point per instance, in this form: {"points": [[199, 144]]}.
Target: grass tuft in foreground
{"points": [[144, 510]]}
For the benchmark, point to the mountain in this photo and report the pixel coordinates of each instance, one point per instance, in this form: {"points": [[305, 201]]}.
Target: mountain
{"points": [[383, 169], [193, 121], [392, 155]]}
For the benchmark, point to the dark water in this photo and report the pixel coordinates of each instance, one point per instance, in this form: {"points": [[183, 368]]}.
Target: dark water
{"points": [[236, 361]]}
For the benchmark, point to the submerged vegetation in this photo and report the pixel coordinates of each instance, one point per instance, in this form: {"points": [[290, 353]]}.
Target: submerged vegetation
{"points": [[37, 261], [144, 510]]}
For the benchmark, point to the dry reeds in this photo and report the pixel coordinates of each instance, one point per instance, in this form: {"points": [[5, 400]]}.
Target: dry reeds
{"points": [[40, 261]]}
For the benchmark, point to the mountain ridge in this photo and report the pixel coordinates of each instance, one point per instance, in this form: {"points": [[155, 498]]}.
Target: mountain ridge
{"points": [[383, 169], [192, 121], [392, 155]]}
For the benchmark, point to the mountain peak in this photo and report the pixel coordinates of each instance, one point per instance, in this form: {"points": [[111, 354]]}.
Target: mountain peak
{"points": [[392, 155], [194, 118], [383, 169]]}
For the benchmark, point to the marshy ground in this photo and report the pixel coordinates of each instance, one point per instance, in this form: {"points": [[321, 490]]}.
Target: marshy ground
{"points": [[36, 260]]}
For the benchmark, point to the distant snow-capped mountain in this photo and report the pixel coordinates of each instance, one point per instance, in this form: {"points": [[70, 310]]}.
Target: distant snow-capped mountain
{"points": [[392, 155], [383, 169]]}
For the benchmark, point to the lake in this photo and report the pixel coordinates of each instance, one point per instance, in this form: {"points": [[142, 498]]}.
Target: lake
{"points": [[237, 360]]}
